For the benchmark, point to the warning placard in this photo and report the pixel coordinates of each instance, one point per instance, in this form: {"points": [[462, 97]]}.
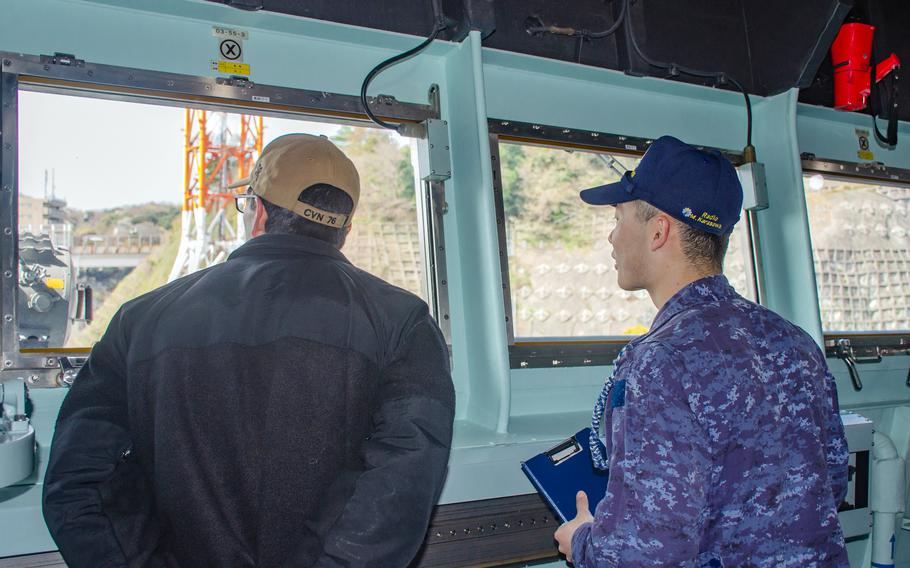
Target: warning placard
{"points": [[231, 68], [229, 43], [862, 139], [228, 56]]}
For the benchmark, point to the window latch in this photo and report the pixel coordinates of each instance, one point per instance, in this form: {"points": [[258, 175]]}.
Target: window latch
{"points": [[844, 351], [235, 81], [62, 59], [68, 372]]}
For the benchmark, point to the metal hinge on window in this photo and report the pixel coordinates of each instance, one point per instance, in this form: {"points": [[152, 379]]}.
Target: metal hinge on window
{"points": [[64, 59]]}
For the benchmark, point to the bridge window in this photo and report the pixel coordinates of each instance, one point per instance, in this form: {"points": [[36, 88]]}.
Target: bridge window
{"points": [[118, 197], [861, 248], [562, 281]]}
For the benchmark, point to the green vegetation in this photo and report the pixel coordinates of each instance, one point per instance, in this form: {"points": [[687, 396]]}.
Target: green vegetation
{"points": [[102, 222], [512, 158], [386, 175], [540, 193]]}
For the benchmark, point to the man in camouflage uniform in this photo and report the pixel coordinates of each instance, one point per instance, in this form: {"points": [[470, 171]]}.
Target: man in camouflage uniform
{"points": [[721, 428]]}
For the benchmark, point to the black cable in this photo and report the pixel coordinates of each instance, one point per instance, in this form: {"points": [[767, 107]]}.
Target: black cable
{"points": [[877, 89], [386, 64], [891, 138], [745, 93], [675, 70], [614, 27]]}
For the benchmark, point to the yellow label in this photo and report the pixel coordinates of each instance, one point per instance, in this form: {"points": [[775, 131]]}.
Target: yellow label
{"points": [[231, 68], [55, 283], [865, 155], [637, 329]]}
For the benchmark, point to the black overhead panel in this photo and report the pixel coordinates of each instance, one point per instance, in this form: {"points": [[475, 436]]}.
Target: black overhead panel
{"points": [[707, 35], [514, 20], [788, 40], [768, 46], [891, 19]]}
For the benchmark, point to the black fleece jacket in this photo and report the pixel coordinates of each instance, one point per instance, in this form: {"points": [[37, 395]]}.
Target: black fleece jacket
{"points": [[284, 408]]}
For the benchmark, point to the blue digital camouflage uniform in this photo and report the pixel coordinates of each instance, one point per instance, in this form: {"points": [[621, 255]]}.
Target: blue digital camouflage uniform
{"points": [[727, 450]]}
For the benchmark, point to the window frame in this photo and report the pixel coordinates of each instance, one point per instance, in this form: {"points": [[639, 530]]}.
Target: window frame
{"points": [[856, 171], [66, 75], [868, 345], [590, 351]]}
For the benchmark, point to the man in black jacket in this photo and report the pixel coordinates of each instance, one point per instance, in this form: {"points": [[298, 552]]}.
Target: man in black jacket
{"points": [[283, 408]]}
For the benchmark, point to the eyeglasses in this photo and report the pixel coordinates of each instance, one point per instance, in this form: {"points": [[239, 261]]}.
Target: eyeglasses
{"points": [[245, 202]]}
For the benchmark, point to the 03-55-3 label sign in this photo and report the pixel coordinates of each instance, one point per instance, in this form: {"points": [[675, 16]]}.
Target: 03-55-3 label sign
{"points": [[229, 55]]}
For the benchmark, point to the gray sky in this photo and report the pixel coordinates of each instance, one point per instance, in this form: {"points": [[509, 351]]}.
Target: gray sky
{"points": [[110, 153]]}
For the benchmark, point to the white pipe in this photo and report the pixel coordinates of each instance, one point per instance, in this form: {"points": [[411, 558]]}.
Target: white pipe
{"points": [[883, 539], [887, 497]]}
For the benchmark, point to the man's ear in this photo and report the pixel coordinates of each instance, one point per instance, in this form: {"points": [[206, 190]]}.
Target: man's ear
{"points": [[259, 220], [659, 231]]}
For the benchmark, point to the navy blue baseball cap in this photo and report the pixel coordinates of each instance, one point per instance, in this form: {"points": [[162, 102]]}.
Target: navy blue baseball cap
{"points": [[698, 187]]}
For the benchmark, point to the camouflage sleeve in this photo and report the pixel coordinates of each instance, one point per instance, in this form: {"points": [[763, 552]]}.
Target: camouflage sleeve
{"points": [[836, 452], [581, 542], [660, 471]]}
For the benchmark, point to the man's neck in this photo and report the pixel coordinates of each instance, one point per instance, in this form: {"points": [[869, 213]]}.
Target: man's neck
{"points": [[672, 282]]}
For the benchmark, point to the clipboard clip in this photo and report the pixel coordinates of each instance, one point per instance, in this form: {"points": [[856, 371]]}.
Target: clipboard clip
{"points": [[563, 451]]}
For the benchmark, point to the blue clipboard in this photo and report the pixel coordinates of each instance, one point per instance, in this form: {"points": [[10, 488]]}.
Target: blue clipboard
{"points": [[564, 470]]}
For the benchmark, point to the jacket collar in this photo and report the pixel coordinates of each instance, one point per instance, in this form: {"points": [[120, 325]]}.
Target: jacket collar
{"points": [[703, 291], [288, 246]]}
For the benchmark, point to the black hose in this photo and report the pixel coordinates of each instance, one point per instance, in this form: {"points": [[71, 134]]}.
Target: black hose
{"points": [[676, 69], [388, 63]]}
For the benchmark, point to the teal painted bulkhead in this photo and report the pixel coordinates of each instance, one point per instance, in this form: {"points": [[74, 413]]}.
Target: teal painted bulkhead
{"points": [[504, 415]]}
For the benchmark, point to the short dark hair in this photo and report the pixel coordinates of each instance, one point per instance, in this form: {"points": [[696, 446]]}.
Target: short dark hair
{"points": [[326, 197], [700, 247]]}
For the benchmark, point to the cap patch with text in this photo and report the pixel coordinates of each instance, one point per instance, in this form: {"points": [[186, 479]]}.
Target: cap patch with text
{"points": [[292, 163], [698, 187]]}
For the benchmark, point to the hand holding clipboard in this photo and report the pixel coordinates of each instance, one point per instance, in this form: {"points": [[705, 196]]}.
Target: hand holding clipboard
{"points": [[561, 472]]}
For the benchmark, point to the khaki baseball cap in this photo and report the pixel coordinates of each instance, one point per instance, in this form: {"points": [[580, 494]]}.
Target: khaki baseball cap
{"points": [[291, 163]]}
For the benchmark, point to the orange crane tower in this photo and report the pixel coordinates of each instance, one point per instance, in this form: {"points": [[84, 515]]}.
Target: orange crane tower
{"points": [[219, 148]]}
